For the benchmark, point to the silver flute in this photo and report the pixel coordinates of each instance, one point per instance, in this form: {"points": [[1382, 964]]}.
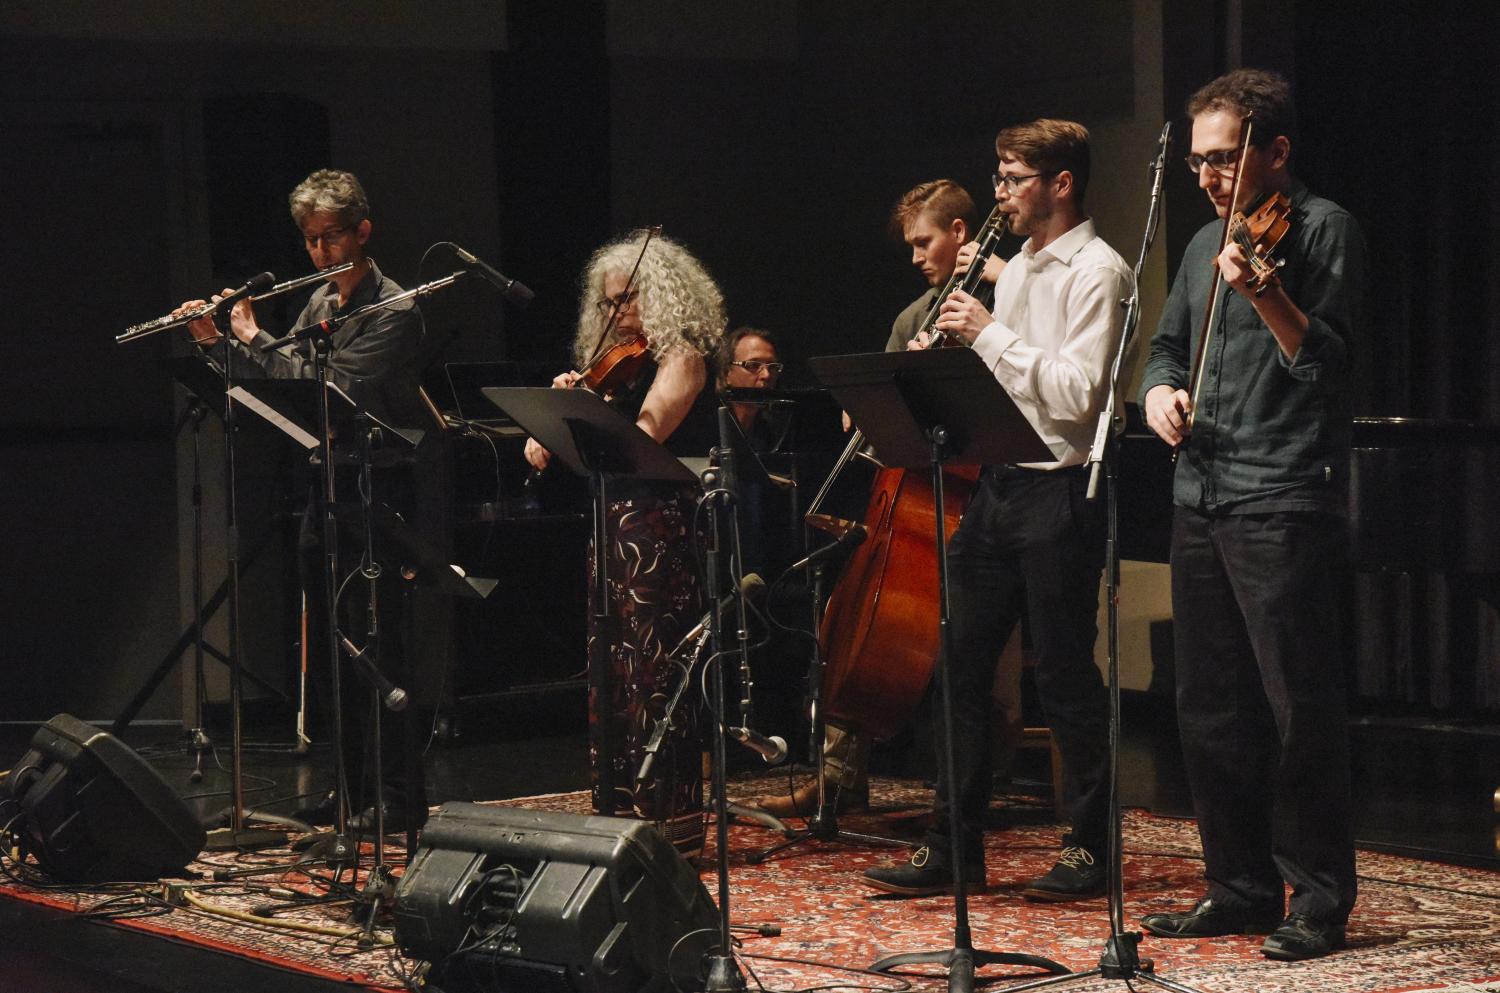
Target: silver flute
{"points": [[169, 321]]}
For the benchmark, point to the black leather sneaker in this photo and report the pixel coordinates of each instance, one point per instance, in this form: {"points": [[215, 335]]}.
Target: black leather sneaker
{"points": [[398, 819], [1076, 876], [927, 874], [320, 812], [1211, 919], [1302, 937]]}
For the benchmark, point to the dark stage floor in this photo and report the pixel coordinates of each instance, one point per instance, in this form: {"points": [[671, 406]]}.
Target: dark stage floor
{"points": [[1421, 788]]}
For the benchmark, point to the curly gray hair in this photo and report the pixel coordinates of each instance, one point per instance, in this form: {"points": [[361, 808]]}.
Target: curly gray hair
{"points": [[681, 306]]}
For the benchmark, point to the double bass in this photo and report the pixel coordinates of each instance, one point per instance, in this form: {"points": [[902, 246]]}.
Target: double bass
{"points": [[879, 630]]}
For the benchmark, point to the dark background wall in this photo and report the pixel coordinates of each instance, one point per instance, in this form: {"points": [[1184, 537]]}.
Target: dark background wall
{"points": [[146, 158]]}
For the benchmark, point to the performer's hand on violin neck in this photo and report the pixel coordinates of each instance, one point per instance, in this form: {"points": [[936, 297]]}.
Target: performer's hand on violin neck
{"points": [[565, 380], [1166, 413], [1238, 274], [1236, 270], [536, 454]]}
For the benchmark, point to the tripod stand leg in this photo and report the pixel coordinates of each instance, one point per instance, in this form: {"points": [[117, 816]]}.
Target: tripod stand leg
{"points": [[961, 963]]}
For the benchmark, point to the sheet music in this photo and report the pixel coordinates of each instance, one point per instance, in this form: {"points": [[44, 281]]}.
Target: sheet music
{"points": [[293, 430]]}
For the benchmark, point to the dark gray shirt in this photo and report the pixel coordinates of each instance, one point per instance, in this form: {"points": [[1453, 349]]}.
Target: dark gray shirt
{"points": [[374, 358], [1270, 433], [905, 327]]}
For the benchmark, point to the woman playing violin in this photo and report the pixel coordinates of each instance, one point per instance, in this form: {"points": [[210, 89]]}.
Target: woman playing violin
{"points": [[674, 306]]}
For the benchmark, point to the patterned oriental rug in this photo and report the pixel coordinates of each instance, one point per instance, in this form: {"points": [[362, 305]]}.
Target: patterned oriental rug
{"points": [[1419, 926]]}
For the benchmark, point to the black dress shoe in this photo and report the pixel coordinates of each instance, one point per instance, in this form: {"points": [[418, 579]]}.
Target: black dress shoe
{"points": [[1302, 937], [1076, 876], [398, 819], [927, 874], [1210, 919], [320, 812]]}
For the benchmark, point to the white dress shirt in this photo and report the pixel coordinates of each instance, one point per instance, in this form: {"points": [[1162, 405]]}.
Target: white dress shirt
{"points": [[1058, 313]]}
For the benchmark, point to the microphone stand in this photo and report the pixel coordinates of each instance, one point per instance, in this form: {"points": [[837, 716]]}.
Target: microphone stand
{"points": [[339, 848], [197, 737], [237, 835], [379, 886], [723, 972], [1121, 958]]}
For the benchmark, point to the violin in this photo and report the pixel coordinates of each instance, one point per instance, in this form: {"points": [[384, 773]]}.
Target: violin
{"points": [[1258, 235], [616, 366]]}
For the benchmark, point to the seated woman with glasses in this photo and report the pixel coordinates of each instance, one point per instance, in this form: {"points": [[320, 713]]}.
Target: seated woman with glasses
{"points": [[655, 590]]}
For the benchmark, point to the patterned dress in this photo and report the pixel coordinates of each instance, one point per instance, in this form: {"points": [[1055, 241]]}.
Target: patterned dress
{"points": [[655, 598]]}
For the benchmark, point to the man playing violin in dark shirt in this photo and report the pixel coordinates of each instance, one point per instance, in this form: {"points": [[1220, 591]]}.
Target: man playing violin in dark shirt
{"points": [[1258, 536]]}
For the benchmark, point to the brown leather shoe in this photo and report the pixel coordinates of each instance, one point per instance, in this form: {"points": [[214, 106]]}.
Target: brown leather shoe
{"points": [[803, 802]]}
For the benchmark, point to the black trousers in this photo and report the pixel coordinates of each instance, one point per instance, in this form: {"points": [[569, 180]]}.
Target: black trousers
{"points": [[1030, 542], [401, 733], [1260, 701]]}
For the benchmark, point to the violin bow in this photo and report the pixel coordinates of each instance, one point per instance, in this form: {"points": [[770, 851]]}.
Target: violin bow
{"points": [[614, 311], [1210, 318]]}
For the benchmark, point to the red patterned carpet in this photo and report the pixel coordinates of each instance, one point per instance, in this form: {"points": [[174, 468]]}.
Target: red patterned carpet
{"points": [[1418, 925]]}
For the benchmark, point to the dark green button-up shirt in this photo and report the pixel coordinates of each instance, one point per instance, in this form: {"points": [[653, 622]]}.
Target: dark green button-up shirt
{"points": [[1270, 433]]}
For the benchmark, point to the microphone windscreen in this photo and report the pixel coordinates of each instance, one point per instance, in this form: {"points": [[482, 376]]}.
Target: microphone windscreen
{"points": [[520, 295], [753, 587]]}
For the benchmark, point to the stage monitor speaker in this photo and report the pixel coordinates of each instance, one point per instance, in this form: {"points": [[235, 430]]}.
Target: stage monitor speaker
{"points": [[91, 810], [507, 900]]}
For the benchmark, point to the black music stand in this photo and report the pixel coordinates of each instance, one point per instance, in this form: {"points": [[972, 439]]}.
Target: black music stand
{"points": [[592, 439], [925, 408], [315, 418], [292, 406], [205, 386]]}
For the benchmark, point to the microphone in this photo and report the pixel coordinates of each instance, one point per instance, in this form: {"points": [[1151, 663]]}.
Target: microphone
{"points": [[728, 473], [257, 283], [752, 587], [393, 696], [772, 749], [516, 292], [850, 539]]}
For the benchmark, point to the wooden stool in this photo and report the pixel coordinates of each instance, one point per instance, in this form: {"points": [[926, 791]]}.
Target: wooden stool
{"points": [[1006, 693]]}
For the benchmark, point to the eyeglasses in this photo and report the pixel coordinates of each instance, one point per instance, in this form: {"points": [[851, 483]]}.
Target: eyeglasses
{"points": [[327, 237], [1223, 160], [1012, 183], [754, 366], [624, 302]]}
